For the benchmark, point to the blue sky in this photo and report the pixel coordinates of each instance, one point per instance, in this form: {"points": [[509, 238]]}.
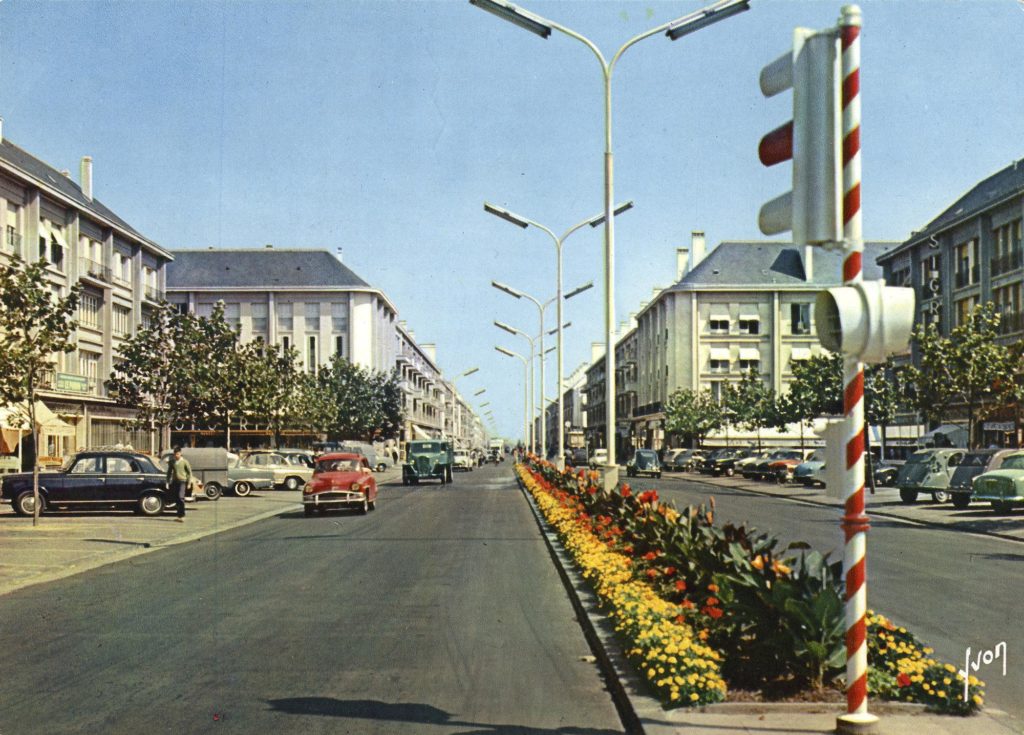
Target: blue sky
{"points": [[381, 127]]}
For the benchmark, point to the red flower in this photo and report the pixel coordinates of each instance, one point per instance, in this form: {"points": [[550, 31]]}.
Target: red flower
{"points": [[714, 612], [670, 571], [649, 496], [625, 490], [712, 600], [712, 588], [650, 556], [686, 605], [652, 573], [680, 585], [680, 619], [903, 680]]}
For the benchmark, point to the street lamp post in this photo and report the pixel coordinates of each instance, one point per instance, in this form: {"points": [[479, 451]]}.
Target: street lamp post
{"points": [[457, 418], [674, 30], [524, 223], [526, 390], [531, 439]]}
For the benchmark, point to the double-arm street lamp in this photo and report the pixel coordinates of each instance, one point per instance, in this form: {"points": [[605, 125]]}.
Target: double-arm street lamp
{"points": [[675, 29], [524, 222], [526, 391], [457, 418]]}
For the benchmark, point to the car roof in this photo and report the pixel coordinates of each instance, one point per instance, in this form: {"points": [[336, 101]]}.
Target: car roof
{"points": [[339, 455], [110, 453]]}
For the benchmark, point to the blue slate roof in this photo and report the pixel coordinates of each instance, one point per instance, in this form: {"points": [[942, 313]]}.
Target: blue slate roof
{"points": [[259, 268], [50, 177]]}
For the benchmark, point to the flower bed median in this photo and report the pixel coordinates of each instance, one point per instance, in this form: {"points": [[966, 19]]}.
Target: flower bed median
{"points": [[699, 604]]}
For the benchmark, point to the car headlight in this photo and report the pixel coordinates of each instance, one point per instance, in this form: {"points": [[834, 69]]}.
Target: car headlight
{"points": [[354, 487]]}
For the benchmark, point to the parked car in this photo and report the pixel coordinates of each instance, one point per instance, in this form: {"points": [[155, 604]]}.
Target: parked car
{"points": [[340, 480], [599, 458], [886, 471], [298, 457], [781, 470], [209, 469], [724, 463], [811, 471], [929, 471], [462, 461], [745, 466], [974, 464], [643, 462], [244, 478], [708, 463], [1003, 488], [93, 479], [427, 460], [687, 460], [759, 470], [287, 474], [576, 457]]}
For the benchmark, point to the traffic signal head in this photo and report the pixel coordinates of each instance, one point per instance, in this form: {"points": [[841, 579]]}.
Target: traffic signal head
{"points": [[812, 210], [868, 320]]}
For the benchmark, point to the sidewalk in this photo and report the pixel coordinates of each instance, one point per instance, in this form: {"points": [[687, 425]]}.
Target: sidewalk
{"points": [[68, 543], [977, 518], [644, 715]]}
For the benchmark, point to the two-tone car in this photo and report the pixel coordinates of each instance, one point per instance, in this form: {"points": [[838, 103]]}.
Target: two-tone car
{"points": [[288, 474], [1003, 488], [340, 480], [93, 480], [928, 471], [978, 462], [781, 470]]}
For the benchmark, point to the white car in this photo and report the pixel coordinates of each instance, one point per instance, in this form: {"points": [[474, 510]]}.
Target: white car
{"points": [[462, 461], [599, 458]]}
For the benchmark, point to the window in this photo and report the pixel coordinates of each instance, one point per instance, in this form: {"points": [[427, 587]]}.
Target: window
{"points": [[285, 312], [800, 318], [339, 316], [339, 346], [123, 269], [233, 315], [719, 366], [122, 320], [89, 310], [719, 325], [750, 359], [120, 466], [181, 307], [717, 390], [313, 317], [86, 465], [89, 367], [286, 343], [204, 311], [311, 354], [749, 324], [748, 365], [964, 308], [12, 230], [1007, 242], [259, 317]]}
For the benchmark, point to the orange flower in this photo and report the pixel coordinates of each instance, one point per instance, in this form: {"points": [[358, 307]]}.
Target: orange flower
{"points": [[781, 569], [670, 571], [715, 612], [680, 585], [650, 556], [712, 601], [712, 588], [652, 573], [626, 492], [758, 562]]}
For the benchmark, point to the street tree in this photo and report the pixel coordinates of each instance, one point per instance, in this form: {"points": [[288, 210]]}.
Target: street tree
{"points": [[753, 403], [273, 384], [693, 414], [35, 326]]}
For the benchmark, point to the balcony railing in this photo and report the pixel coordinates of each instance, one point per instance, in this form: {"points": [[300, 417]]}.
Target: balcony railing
{"points": [[12, 241], [1005, 263], [95, 269], [153, 293]]}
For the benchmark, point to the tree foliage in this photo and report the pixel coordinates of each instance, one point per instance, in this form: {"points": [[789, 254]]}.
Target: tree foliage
{"points": [[753, 404], [693, 415]]}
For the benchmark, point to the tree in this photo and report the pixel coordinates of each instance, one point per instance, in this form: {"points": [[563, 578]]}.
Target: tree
{"points": [[215, 363], [693, 414], [969, 369], [273, 385], [754, 403], [356, 403], [35, 324]]}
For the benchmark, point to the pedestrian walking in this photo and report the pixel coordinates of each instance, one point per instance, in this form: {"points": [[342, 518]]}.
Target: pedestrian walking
{"points": [[179, 480]]}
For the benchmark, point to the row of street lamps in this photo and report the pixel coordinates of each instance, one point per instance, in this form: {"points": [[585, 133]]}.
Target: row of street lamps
{"points": [[719, 10]]}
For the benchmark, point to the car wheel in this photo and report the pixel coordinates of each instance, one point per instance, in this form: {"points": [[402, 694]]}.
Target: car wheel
{"points": [[25, 504], [448, 474], [657, 476], [908, 496], [242, 489], [151, 504], [1002, 507], [940, 496], [961, 500], [212, 490], [308, 510], [729, 472], [381, 467], [292, 483], [373, 504], [365, 507], [405, 480]]}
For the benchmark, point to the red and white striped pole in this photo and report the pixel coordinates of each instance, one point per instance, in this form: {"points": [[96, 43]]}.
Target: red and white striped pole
{"points": [[855, 522]]}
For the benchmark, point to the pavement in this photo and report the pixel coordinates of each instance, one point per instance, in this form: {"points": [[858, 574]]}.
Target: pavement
{"points": [[66, 544]]}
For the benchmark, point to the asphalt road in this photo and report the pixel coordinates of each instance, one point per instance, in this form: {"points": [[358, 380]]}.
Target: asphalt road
{"points": [[440, 612], [952, 589]]}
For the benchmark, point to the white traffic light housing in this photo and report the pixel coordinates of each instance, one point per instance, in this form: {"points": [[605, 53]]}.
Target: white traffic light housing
{"points": [[813, 209], [867, 320]]}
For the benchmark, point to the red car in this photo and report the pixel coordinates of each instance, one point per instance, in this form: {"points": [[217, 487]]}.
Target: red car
{"points": [[340, 480]]}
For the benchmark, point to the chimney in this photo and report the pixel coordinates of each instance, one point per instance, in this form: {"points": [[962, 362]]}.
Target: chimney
{"points": [[65, 173], [632, 320], [682, 262], [341, 252], [697, 247], [596, 351], [86, 176], [269, 246], [809, 263], [430, 350]]}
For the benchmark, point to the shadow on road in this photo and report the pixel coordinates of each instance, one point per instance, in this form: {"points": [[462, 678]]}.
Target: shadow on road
{"points": [[413, 713]]}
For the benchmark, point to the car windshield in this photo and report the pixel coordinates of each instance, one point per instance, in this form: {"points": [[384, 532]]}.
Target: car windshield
{"points": [[918, 457], [337, 465], [795, 454], [426, 447], [1013, 462], [976, 459]]}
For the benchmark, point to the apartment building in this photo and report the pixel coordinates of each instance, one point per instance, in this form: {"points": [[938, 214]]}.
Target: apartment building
{"points": [[46, 214], [970, 254]]}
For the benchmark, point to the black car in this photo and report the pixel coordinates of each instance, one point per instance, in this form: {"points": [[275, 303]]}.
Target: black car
{"points": [[95, 479], [576, 457], [644, 462], [725, 462]]}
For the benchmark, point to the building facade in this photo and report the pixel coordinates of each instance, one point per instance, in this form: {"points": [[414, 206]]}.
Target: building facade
{"points": [[45, 214]]}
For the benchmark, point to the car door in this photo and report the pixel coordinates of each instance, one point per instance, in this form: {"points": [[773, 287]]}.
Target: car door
{"points": [[124, 479], [83, 483]]}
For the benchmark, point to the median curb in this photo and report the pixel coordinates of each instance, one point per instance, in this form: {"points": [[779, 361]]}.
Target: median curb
{"points": [[643, 714]]}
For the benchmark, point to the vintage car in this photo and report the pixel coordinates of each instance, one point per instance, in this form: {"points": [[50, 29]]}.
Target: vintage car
{"points": [[93, 479], [427, 460], [886, 471], [724, 462], [243, 479], [209, 470], [1003, 488], [340, 480], [781, 470], [462, 460], [746, 466], [598, 459], [289, 474], [811, 471], [643, 462], [928, 471], [758, 470], [686, 460], [974, 463], [576, 457]]}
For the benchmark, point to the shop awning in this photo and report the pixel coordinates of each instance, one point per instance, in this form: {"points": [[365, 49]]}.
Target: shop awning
{"points": [[420, 433], [750, 353], [719, 353], [12, 426], [50, 423], [748, 317]]}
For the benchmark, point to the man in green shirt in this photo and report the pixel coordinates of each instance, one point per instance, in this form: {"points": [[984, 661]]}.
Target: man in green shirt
{"points": [[179, 479]]}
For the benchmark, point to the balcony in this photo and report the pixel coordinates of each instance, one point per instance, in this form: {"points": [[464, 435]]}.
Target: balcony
{"points": [[95, 269], [1007, 262], [12, 241], [154, 294], [67, 383]]}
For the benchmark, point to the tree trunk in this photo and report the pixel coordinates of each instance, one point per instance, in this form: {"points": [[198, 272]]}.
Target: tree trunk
{"points": [[35, 442]]}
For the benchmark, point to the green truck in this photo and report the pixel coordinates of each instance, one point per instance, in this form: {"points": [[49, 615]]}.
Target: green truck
{"points": [[427, 460]]}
